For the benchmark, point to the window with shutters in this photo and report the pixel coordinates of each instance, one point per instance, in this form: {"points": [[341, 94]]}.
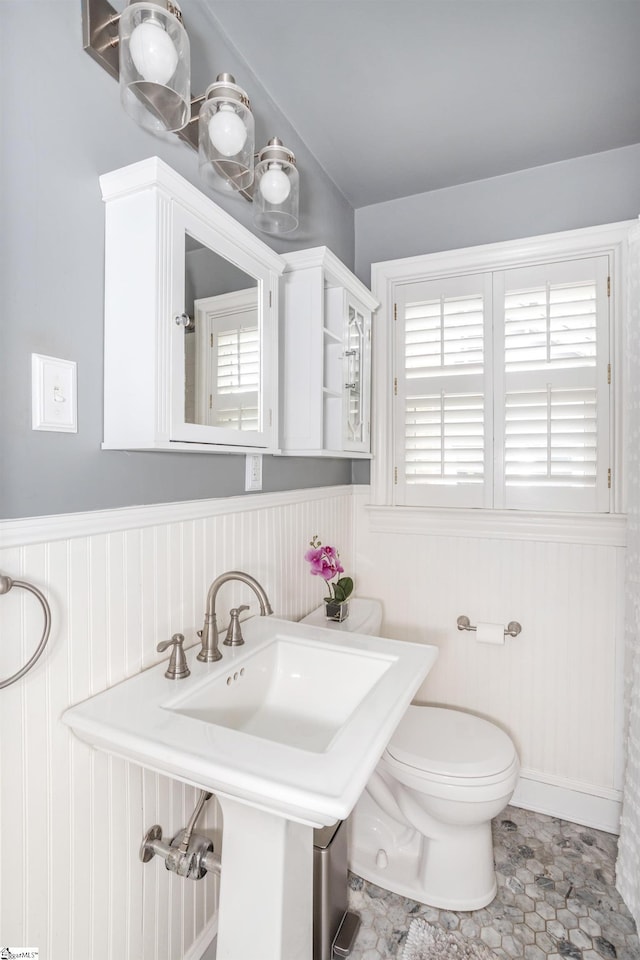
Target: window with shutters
{"points": [[501, 388], [237, 376], [227, 376]]}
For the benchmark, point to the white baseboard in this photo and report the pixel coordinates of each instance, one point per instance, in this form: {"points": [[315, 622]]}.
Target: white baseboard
{"points": [[569, 800], [199, 946]]}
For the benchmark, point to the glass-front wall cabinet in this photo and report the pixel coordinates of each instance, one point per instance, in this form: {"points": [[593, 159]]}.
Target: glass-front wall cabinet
{"points": [[327, 316]]}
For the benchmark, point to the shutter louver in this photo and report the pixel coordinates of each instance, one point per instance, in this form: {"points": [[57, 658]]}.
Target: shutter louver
{"points": [[238, 360], [238, 375], [441, 413], [550, 327], [444, 438], [551, 438], [554, 408], [443, 333]]}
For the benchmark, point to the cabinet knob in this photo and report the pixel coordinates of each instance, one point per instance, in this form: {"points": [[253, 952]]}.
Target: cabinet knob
{"points": [[184, 320]]}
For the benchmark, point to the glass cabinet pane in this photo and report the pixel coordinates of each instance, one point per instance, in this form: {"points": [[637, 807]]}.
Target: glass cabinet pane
{"points": [[354, 348]]}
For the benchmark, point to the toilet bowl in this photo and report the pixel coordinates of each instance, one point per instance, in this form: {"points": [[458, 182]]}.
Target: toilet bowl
{"points": [[422, 827]]}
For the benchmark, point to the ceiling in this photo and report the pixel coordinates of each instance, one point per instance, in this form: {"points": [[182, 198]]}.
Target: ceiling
{"points": [[396, 97]]}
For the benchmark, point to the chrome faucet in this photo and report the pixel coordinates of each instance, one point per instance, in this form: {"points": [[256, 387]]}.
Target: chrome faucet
{"points": [[209, 632]]}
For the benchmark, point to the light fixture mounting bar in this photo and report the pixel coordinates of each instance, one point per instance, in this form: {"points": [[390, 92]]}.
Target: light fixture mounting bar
{"points": [[100, 34], [100, 40]]}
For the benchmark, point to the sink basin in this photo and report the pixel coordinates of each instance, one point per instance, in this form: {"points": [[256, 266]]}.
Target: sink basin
{"points": [[281, 693], [292, 722]]}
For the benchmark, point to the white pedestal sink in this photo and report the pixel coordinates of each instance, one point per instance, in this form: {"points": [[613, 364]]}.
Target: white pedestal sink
{"points": [[286, 731]]}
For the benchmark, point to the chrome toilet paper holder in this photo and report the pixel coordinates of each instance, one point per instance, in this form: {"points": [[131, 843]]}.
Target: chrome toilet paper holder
{"points": [[512, 629]]}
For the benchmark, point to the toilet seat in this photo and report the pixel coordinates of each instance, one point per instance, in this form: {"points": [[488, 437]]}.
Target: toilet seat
{"points": [[441, 745]]}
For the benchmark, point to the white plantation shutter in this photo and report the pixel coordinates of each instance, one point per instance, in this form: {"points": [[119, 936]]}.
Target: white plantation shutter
{"points": [[552, 329], [228, 371], [441, 405], [238, 377], [238, 359], [501, 396]]}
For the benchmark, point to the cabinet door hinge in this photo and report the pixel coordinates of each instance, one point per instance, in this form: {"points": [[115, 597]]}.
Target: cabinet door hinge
{"points": [[395, 474], [210, 339], [395, 386], [270, 418], [395, 311], [608, 286], [210, 401], [608, 373], [609, 478], [270, 300]]}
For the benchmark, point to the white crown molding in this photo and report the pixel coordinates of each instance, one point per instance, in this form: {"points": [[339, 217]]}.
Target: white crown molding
{"points": [[337, 272], [155, 173], [65, 526], [602, 529]]}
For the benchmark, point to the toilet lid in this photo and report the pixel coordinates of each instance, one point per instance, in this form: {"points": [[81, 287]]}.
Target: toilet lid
{"points": [[450, 743]]}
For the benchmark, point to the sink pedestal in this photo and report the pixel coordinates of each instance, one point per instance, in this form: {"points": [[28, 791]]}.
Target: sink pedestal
{"points": [[266, 886]]}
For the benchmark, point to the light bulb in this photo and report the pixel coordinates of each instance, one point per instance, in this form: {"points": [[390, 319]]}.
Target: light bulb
{"points": [[275, 186], [153, 52], [227, 132]]}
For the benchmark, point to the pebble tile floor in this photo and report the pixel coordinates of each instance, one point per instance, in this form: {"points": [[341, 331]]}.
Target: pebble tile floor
{"points": [[556, 899]]}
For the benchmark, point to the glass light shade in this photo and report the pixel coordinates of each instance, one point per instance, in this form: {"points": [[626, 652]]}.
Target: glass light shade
{"points": [[226, 136], [155, 71], [277, 189]]}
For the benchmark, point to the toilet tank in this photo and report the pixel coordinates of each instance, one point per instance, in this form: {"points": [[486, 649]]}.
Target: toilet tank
{"points": [[365, 616]]}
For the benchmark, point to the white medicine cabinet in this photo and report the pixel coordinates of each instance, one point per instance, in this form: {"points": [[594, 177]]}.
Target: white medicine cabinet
{"points": [[191, 320], [326, 387]]}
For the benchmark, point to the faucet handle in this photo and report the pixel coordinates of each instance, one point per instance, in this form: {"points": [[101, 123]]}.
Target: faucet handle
{"points": [[178, 668], [234, 636]]}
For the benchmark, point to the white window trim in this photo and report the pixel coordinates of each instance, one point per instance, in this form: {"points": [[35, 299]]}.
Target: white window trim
{"points": [[608, 239]]}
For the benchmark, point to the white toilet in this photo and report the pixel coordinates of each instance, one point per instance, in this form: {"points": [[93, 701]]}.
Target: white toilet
{"points": [[422, 827]]}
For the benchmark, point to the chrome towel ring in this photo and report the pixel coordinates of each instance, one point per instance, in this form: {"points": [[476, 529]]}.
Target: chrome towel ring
{"points": [[6, 583]]}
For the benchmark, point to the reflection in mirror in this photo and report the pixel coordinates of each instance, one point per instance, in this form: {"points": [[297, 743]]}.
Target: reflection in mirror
{"points": [[222, 344]]}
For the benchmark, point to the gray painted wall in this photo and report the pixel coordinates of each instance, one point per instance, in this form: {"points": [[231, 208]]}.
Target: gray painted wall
{"points": [[61, 127], [602, 188]]}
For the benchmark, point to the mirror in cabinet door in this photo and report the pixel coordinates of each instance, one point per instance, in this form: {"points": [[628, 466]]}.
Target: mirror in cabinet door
{"points": [[191, 330], [218, 351]]}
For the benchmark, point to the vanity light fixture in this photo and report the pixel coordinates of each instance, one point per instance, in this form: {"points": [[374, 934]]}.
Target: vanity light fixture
{"points": [[276, 189], [146, 48], [226, 137], [154, 65]]}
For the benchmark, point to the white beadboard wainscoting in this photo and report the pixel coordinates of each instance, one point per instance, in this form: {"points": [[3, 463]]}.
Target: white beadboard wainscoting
{"points": [[72, 818], [556, 688]]}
